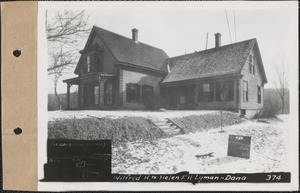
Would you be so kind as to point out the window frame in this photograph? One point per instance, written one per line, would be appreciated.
(208, 95)
(88, 63)
(220, 86)
(108, 93)
(245, 92)
(251, 64)
(96, 95)
(204, 94)
(259, 94)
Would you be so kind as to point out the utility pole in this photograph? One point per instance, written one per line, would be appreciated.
(206, 41)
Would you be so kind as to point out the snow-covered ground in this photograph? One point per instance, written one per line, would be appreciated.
(175, 154)
(269, 146)
(122, 113)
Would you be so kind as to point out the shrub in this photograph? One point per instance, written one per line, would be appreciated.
(204, 122)
(118, 130)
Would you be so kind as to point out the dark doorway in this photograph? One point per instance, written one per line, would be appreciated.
(108, 94)
(91, 95)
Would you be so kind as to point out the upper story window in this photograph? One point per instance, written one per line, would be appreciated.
(251, 64)
(88, 63)
(92, 60)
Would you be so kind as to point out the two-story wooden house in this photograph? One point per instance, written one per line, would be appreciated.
(115, 71)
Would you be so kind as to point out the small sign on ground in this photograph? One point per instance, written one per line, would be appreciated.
(239, 146)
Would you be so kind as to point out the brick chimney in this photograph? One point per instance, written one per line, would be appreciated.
(218, 40)
(135, 35)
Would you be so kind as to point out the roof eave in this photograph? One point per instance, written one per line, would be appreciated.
(140, 67)
(195, 80)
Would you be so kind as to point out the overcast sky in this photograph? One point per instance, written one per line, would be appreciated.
(181, 27)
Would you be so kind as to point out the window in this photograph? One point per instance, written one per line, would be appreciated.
(258, 94)
(96, 95)
(245, 91)
(251, 64)
(182, 99)
(224, 91)
(206, 92)
(132, 92)
(206, 88)
(243, 112)
(88, 63)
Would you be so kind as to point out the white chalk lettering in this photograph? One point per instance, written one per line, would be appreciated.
(235, 178)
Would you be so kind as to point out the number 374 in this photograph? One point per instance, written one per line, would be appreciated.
(273, 177)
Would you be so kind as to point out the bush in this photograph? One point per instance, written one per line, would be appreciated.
(272, 104)
(118, 130)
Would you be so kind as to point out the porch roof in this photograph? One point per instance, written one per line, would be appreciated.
(90, 76)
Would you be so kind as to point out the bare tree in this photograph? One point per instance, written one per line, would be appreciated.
(66, 32)
(281, 80)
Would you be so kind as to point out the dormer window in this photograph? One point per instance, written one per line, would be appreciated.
(251, 64)
(92, 59)
(88, 63)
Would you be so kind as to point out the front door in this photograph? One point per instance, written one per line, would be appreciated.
(108, 88)
(87, 96)
(91, 95)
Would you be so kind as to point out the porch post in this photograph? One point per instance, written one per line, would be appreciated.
(215, 91)
(68, 95)
(237, 94)
(196, 93)
(80, 93)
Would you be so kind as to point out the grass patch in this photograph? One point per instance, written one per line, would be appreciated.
(118, 130)
(205, 122)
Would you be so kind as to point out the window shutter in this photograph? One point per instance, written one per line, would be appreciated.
(231, 89)
(212, 91)
(218, 92)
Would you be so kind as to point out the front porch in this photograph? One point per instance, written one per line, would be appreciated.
(205, 94)
(95, 91)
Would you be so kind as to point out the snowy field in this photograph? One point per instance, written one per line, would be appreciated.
(175, 154)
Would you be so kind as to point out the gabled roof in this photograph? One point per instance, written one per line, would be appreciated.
(127, 51)
(224, 60)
